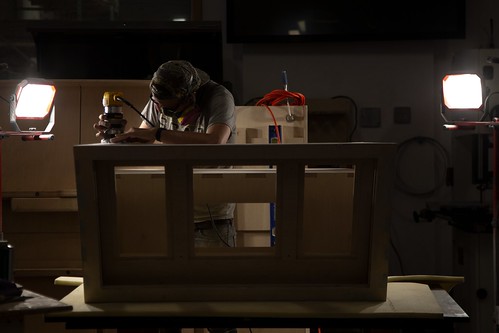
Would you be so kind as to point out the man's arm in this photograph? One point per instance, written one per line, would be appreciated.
(215, 134)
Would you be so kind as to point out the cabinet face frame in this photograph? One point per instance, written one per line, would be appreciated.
(247, 275)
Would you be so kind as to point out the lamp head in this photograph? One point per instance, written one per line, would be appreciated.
(462, 95)
(33, 100)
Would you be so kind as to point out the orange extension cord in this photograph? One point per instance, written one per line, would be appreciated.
(280, 97)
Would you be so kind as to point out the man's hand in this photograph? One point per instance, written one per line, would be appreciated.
(109, 124)
(135, 134)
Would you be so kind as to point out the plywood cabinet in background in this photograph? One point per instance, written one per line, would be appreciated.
(38, 181)
(47, 167)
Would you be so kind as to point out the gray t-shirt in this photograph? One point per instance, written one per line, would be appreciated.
(216, 106)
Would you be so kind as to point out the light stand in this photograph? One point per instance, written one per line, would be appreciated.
(33, 100)
(466, 89)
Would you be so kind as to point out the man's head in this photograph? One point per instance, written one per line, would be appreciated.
(175, 79)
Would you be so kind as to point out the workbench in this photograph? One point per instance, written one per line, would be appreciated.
(407, 305)
(13, 311)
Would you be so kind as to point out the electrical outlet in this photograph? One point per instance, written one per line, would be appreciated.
(402, 115)
(370, 117)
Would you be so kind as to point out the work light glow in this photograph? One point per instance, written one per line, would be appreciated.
(34, 101)
(462, 91)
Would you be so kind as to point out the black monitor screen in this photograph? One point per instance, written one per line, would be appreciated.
(253, 21)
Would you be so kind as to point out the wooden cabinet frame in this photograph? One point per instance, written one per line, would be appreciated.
(282, 272)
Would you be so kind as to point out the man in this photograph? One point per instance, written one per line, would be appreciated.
(186, 107)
